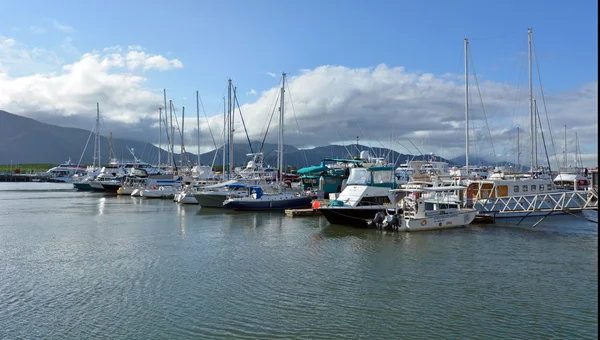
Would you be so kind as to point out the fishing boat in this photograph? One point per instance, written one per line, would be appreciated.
(430, 208)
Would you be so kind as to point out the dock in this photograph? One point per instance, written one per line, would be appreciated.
(302, 212)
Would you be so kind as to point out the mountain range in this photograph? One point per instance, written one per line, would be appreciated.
(26, 141)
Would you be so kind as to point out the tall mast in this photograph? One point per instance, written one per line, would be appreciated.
(565, 152)
(97, 140)
(198, 122)
(224, 134)
(467, 104)
(182, 130)
(160, 123)
(535, 130)
(531, 127)
(110, 148)
(172, 146)
(518, 149)
(230, 122)
(281, 115)
(98, 134)
(159, 134)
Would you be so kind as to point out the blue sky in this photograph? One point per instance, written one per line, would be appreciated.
(248, 40)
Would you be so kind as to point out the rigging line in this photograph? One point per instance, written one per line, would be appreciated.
(340, 137)
(296, 119)
(368, 140)
(265, 127)
(482, 106)
(208, 122)
(424, 158)
(537, 66)
(85, 147)
(519, 89)
(268, 126)
(543, 139)
(243, 123)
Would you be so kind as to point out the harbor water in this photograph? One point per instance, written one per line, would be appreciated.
(76, 265)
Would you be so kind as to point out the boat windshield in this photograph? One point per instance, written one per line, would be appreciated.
(359, 176)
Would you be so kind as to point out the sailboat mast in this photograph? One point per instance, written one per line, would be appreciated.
(98, 134)
(535, 130)
(182, 130)
(172, 146)
(160, 125)
(230, 139)
(565, 152)
(531, 127)
(518, 149)
(198, 122)
(467, 104)
(224, 135)
(281, 113)
(96, 143)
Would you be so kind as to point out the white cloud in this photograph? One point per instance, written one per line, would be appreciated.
(73, 89)
(252, 92)
(271, 74)
(60, 26)
(329, 104)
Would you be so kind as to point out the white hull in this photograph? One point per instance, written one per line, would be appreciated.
(166, 192)
(184, 198)
(439, 221)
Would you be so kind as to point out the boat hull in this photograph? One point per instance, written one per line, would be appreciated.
(211, 200)
(111, 187)
(348, 216)
(299, 202)
(439, 221)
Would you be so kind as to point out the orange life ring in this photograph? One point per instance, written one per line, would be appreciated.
(424, 222)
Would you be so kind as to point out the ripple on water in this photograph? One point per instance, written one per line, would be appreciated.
(87, 266)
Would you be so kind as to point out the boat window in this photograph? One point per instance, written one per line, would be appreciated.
(524, 188)
(358, 176)
(541, 187)
(383, 177)
(516, 188)
(533, 188)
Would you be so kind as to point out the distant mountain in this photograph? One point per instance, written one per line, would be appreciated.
(475, 160)
(25, 141)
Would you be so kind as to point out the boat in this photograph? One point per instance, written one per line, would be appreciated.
(367, 192)
(571, 178)
(331, 175)
(429, 208)
(213, 196)
(256, 200)
(64, 172)
(283, 199)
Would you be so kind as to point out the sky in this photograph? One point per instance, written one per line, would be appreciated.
(390, 73)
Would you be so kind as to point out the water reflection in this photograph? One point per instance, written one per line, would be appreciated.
(101, 205)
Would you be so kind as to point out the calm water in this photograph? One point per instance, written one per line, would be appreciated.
(81, 265)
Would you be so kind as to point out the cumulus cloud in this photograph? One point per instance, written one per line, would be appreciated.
(252, 92)
(383, 105)
(271, 74)
(108, 77)
(390, 106)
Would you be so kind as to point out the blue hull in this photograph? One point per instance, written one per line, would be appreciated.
(264, 204)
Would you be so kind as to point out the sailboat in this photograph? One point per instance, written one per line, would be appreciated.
(82, 183)
(503, 195)
(257, 199)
